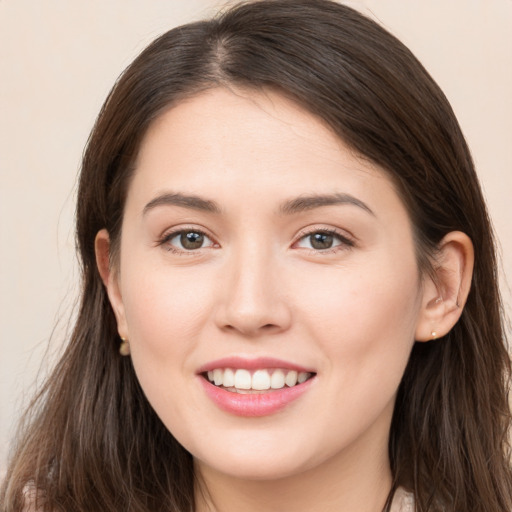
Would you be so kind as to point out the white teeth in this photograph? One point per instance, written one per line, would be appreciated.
(243, 379)
(229, 378)
(277, 380)
(302, 377)
(218, 375)
(291, 378)
(260, 380)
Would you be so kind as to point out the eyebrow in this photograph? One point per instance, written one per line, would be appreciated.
(185, 201)
(305, 203)
(297, 205)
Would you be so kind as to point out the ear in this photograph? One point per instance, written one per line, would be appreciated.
(446, 291)
(110, 278)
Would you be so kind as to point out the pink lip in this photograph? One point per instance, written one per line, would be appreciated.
(252, 364)
(253, 405)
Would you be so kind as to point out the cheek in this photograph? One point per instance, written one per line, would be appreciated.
(364, 324)
(164, 306)
(364, 317)
(166, 310)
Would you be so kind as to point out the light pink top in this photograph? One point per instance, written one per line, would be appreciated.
(403, 501)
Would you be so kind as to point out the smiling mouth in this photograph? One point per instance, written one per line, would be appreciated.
(258, 381)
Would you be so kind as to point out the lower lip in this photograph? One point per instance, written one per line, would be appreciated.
(257, 404)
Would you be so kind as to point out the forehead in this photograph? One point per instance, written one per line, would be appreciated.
(230, 120)
(254, 142)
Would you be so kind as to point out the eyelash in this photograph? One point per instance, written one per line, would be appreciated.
(345, 242)
(167, 237)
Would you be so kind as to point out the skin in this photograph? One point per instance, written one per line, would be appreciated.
(257, 288)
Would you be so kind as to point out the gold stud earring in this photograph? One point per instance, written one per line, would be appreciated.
(124, 348)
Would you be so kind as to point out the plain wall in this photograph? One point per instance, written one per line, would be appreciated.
(58, 60)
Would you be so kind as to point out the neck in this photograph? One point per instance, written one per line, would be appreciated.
(359, 480)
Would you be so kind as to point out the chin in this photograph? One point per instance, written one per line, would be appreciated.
(256, 462)
(260, 471)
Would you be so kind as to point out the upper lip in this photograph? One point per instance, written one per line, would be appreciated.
(238, 362)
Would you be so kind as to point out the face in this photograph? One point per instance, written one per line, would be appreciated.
(268, 285)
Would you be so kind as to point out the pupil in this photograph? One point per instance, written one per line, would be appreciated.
(191, 240)
(321, 241)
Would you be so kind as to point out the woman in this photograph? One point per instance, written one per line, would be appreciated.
(289, 289)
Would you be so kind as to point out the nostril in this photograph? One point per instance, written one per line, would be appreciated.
(251, 329)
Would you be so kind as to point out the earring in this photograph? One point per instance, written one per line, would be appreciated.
(124, 348)
(434, 335)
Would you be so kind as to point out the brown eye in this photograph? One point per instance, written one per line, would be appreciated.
(187, 241)
(321, 241)
(191, 240)
(324, 240)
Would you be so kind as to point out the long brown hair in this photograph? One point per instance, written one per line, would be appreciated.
(92, 442)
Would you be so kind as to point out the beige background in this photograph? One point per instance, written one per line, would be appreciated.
(58, 59)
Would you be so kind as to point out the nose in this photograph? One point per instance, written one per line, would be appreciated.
(253, 298)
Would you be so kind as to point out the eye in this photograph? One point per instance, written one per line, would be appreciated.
(187, 240)
(322, 240)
